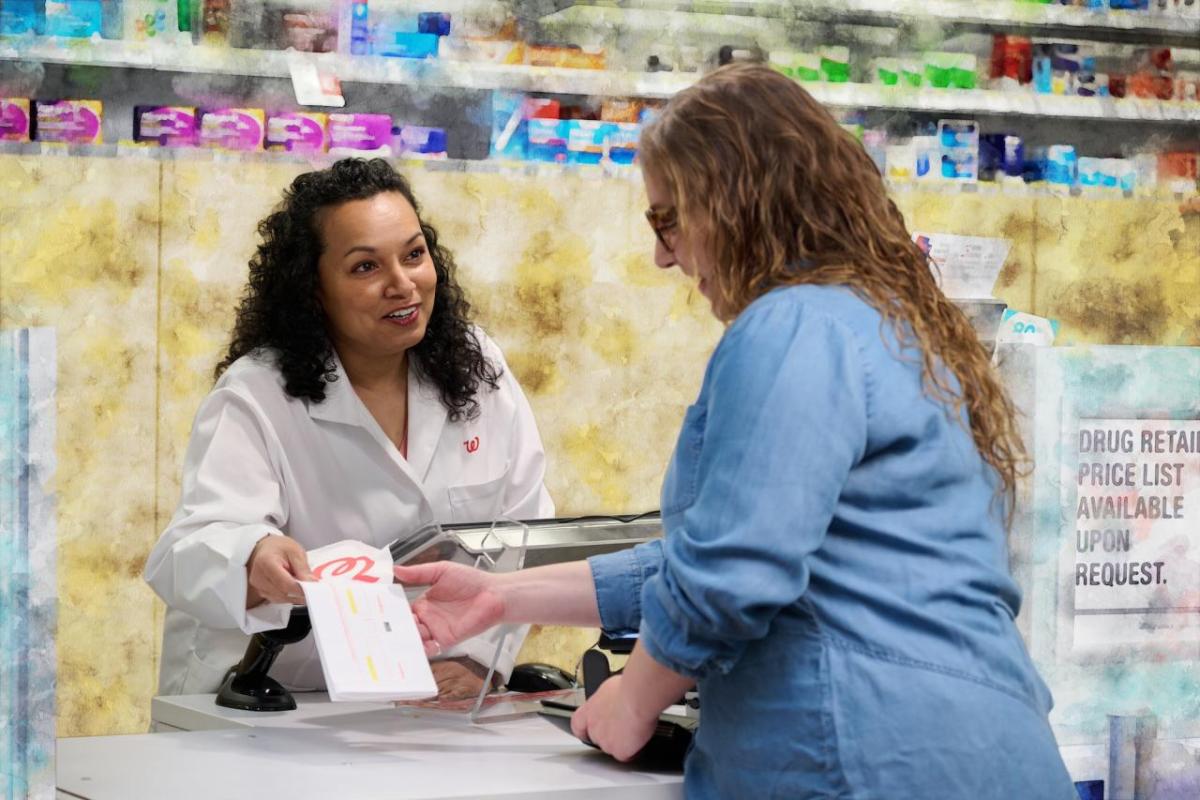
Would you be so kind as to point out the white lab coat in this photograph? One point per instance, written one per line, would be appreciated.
(261, 462)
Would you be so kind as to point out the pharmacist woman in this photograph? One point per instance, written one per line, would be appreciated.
(356, 401)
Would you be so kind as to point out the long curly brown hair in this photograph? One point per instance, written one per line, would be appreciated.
(773, 182)
(279, 310)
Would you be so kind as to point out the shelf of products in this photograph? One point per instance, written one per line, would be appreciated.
(448, 74)
(1173, 24)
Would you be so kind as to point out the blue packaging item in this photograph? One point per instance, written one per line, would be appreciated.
(1089, 172)
(19, 17)
(1090, 790)
(78, 19)
(360, 29)
(436, 23)
(1061, 164)
(510, 132)
(548, 140)
(623, 142)
(1043, 73)
(587, 140)
(404, 44)
(420, 141)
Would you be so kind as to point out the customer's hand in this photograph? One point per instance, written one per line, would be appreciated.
(460, 603)
(458, 678)
(273, 569)
(614, 724)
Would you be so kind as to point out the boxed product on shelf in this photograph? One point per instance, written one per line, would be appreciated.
(434, 22)
(305, 30)
(77, 19)
(959, 143)
(1062, 165)
(1001, 155)
(415, 141)
(148, 20)
(483, 50)
(70, 121)
(623, 142)
(548, 140)
(835, 64)
(296, 131)
(354, 27)
(236, 129)
(587, 140)
(801, 66)
(406, 44)
(354, 133)
(950, 70)
(22, 17)
(885, 71)
(620, 110)
(510, 135)
(14, 120)
(567, 56)
(1012, 61)
(166, 126)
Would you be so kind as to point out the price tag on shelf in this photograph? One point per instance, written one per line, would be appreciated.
(313, 85)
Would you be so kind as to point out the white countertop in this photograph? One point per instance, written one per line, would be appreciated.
(344, 751)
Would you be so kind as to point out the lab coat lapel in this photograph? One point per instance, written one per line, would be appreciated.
(426, 418)
(342, 405)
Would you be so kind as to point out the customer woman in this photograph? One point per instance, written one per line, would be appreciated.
(356, 401)
(833, 571)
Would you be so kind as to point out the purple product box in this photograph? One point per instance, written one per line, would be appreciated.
(296, 131)
(14, 120)
(239, 129)
(360, 132)
(167, 126)
(70, 121)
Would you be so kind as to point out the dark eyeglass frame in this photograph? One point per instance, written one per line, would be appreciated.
(661, 220)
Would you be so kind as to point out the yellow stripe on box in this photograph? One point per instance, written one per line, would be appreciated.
(371, 669)
(353, 605)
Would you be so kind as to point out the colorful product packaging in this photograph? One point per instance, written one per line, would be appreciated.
(166, 126)
(151, 20)
(623, 142)
(801, 66)
(235, 129)
(959, 141)
(886, 71)
(407, 44)
(14, 120)
(354, 133)
(70, 121)
(835, 64)
(510, 136)
(435, 22)
(415, 141)
(78, 19)
(548, 140)
(618, 110)
(296, 132)
(587, 140)
(22, 17)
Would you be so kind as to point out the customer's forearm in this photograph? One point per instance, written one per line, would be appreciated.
(558, 594)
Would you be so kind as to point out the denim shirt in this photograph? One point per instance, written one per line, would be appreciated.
(834, 575)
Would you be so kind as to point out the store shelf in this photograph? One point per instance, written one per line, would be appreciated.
(1072, 22)
(444, 74)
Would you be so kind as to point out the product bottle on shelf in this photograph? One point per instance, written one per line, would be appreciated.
(354, 28)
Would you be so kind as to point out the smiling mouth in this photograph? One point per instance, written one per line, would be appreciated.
(404, 316)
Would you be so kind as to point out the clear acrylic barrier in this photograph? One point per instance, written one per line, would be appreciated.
(501, 548)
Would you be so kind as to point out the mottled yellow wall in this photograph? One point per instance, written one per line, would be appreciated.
(79, 253)
(138, 264)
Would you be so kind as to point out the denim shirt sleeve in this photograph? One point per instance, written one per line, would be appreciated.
(619, 578)
(786, 420)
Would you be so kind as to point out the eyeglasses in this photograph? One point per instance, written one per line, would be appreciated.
(662, 220)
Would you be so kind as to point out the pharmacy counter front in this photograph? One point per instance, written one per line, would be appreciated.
(326, 750)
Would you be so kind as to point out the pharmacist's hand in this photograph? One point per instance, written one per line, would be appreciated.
(273, 569)
(460, 603)
(458, 678)
(611, 722)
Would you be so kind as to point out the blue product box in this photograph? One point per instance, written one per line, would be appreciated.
(1061, 164)
(436, 23)
(419, 141)
(1090, 790)
(587, 140)
(22, 16)
(403, 44)
(510, 131)
(548, 140)
(623, 142)
(78, 19)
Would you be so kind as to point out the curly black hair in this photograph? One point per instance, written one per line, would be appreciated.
(279, 309)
